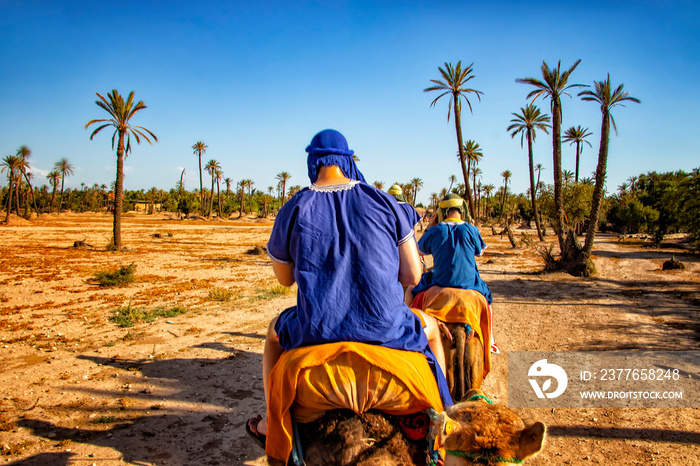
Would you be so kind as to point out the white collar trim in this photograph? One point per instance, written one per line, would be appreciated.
(334, 187)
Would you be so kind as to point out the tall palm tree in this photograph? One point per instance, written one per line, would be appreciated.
(65, 169)
(181, 185)
(121, 113)
(506, 177)
(554, 84)
(539, 167)
(577, 135)
(526, 123)
(487, 190)
(10, 163)
(219, 174)
(200, 148)
(452, 179)
(608, 98)
(24, 153)
(417, 183)
(242, 184)
(283, 177)
(473, 154)
(227, 182)
(453, 82)
(475, 172)
(211, 167)
(54, 177)
(567, 176)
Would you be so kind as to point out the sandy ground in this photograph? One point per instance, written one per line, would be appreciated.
(76, 389)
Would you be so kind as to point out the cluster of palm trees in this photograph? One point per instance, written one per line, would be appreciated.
(553, 85)
(20, 189)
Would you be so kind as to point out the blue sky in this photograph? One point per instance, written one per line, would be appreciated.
(256, 81)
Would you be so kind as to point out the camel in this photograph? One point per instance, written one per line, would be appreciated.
(478, 431)
(349, 404)
(465, 335)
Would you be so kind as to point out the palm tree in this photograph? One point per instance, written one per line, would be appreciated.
(242, 184)
(487, 190)
(577, 135)
(567, 176)
(607, 98)
(506, 176)
(452, 179)
(539, 167)
(24, 153)
(65, 169)
(473, 154)
(633, 183)
(10, 163)
(200, 148)
(227, 182)
(218, 175)
(554, 84)
(211, 167)
(121, 113)
(379, 185)
(453, 84)
(476, 172)
(181, 185)
(526, 123)
(53, 176)
(283, 177)
(416, 183)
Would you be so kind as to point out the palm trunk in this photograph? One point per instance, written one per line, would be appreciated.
(532, 186)
(31, 190)
(118, 191)
(18, 181)
(53, 197)
(465, 174)
(60, 201)
(201, 187)
(9, 198)
(218, 196)
(240, 213)
(599, 182)
(211, 200)
(559, 222)
(578, 153)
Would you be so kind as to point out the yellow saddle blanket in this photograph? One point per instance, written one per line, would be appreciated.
(454, 305)
(306, 382)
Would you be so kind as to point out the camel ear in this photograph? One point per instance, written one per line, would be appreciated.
(532, 440)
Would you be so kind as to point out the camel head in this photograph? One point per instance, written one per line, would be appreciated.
(490, 434)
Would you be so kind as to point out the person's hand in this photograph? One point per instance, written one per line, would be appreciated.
(433, 221)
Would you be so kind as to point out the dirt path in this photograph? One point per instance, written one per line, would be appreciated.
(76, 389)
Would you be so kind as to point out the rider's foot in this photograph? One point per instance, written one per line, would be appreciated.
(256, 428)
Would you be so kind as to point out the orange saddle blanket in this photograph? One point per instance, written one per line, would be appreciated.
(454, 305)
(306, 382)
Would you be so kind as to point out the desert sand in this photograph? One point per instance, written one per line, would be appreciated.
(77, 389)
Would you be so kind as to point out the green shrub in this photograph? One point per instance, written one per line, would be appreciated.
(119, 277)
(221, 294)
(127, 316)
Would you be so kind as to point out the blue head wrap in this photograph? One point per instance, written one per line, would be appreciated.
(327, 148)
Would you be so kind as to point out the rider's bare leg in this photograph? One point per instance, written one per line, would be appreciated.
(408, 296)
(432, 331)
(271, 354)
